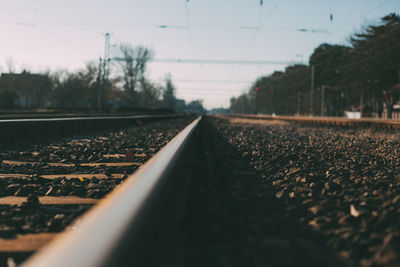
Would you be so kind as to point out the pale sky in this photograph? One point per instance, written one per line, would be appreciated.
(51, 34)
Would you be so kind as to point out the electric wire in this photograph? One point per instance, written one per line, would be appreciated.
(46, 32)
(362, 15)
(209, 81)
(221, 61)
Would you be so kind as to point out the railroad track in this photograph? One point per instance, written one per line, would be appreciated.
(47, 182)
(229, 191)
(331, 121)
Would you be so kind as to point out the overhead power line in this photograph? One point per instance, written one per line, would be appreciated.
(22, 22)
(227, 62)
(186, 27)
(218, 61)
(362, 15)
(210, 81)
(214, 89)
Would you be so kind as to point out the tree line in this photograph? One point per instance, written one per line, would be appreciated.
(125, 86)
(362, 76)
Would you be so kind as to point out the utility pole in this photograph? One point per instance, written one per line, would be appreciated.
(312, 89)
(362, 103)
(99, 85)
(298, 103)
(342, 102)
(106, 61)
(322, 100)
(272, 98)
(104, 71)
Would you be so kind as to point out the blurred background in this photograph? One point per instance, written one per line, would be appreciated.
(325, 58)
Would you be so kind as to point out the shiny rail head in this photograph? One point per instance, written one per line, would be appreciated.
(97, 118)
(91, 241)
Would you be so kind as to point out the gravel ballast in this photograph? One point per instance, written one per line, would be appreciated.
(288, 194)
(134, 144)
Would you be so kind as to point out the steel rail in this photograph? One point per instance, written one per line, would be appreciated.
(13, 129)
(99, 235)
(62, 119)
(336, 121)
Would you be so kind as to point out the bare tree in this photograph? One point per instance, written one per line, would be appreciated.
(133, 61)
(10, 63)
(75, 90)
(169, 98)
(149, 94)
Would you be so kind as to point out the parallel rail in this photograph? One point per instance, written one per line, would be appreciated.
(120, 229)
(12, 129)
(334, 121)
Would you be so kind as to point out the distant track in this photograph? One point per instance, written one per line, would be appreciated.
(334, 121)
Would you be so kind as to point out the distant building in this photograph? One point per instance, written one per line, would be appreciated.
(26, 90)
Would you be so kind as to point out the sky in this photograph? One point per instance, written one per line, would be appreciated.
(267, 35)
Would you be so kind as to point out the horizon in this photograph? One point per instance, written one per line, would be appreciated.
(49, 35)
